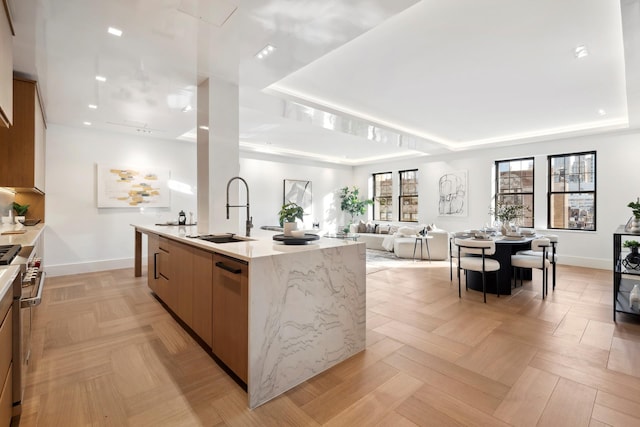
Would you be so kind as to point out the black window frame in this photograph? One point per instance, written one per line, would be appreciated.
(519, 196)
(551, 192)
(403, 196)
(376, 197)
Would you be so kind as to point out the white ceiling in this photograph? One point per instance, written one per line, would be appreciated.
(351, 81)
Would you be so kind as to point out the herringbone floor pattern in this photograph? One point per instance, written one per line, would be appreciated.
(107, 354)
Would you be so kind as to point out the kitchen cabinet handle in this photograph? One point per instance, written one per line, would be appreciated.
(155, 265)
(230, 269)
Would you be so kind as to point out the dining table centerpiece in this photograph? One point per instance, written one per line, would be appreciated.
(507, 214)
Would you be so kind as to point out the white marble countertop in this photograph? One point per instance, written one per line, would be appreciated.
(260, 244)
(7, 274)
(28, 238)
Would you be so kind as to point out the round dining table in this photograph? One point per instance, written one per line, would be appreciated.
(503, 278)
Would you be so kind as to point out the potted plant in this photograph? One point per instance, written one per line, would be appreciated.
(288, 214)
(21, 211)
(350, 202)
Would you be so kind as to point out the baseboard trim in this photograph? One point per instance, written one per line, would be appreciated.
(116, 264)
(599, 263)
(89, 267)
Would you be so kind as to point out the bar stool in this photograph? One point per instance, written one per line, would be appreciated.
(480, 262)
(520, 261)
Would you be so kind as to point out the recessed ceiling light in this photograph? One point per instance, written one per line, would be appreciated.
(581, 52)
(265, 51)
(101, 78)
(203, 127)
(86, 123)
(187, 108)
(115, 31)
(93, 106)
(602, 112)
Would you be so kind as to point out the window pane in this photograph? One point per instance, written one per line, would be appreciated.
(572, 191)
(382, 193)
(573, 211)
(514, 186)
(408, 195)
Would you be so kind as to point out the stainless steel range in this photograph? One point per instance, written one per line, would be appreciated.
(27, 293)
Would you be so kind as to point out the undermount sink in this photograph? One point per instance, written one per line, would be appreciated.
(221, 239)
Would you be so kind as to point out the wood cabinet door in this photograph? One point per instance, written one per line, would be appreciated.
(6, 68)
(39, 135)
(153, 252)
(181, 282)
(230, 313)
(202, 299)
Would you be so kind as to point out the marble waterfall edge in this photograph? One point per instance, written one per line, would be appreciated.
(307, 314)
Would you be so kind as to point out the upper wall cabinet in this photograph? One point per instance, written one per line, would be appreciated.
(22, 146)
(6, 66)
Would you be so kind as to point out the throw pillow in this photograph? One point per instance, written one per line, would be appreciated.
(362, 227)
(407, 231)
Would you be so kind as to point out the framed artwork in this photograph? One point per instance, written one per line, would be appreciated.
(122, 187)
(299, 192)
(452, 194)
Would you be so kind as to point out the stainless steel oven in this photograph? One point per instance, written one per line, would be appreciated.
(27, 293)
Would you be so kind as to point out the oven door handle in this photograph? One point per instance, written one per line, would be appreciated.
(32, 302)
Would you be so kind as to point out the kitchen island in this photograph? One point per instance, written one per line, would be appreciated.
(300, 307)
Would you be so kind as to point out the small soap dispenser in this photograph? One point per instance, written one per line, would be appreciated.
(182, 218)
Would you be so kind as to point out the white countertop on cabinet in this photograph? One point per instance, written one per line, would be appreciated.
(28, 238)
(260, 244)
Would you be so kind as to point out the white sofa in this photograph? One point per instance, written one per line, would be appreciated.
(403, 240)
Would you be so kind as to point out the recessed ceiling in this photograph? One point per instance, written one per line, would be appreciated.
(371, 79)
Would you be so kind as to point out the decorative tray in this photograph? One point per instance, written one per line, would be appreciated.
(513, 238)
(291, 240)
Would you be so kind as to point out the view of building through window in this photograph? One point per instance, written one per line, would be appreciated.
(382, 196)
(409, 195)
(514, 186)
(572, 191)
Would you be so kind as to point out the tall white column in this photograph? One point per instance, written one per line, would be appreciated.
(218, 157)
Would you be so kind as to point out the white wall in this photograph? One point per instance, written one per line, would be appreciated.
(265, 175)
(80, 237)
(617, 184)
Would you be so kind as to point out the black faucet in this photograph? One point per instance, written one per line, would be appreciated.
(249, 223)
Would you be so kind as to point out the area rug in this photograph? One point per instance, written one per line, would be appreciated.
(381, 260)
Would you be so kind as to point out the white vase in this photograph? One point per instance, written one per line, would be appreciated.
(289, 227)
(635, 226)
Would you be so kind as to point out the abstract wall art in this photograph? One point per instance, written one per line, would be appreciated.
(298, 192)
(123, 187)
(452, 193)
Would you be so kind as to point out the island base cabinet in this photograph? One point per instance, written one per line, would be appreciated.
(230, 313)
(202, 299)
(153, 252)
(6, 401)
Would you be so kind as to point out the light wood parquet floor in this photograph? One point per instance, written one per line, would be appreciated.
(107, 354)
